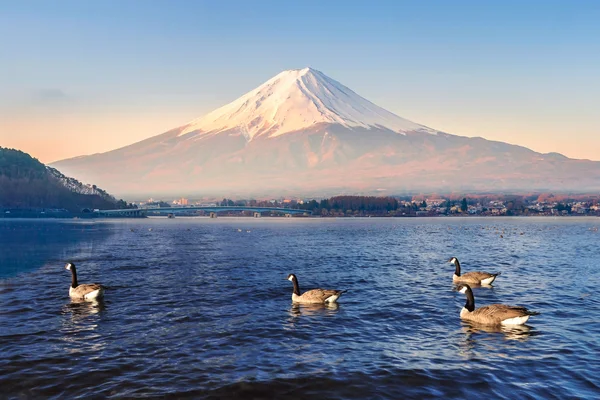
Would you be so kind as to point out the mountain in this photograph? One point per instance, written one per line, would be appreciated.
(303, 133)
(297, 100)
(27, 183)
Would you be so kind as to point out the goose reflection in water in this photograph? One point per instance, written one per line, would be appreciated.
(79, 310)
(510, 332)
(483, 339)
(79, 330)
(324, 309)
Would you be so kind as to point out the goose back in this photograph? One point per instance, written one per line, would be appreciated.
(497, 314)
(317, 296)
(87, 291)
(476, 277)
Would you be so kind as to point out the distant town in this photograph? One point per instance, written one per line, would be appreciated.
(414, 206)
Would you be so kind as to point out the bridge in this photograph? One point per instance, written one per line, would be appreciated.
(213, 210)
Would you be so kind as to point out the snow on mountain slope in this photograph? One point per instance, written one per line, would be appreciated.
(294, 100)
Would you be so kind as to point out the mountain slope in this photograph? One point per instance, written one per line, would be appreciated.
(303, 133)
(27, 183)
(295, 100)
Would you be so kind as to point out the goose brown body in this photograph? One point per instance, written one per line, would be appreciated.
(474, 277)
(314, 296)
(494, 314)
(85, 291)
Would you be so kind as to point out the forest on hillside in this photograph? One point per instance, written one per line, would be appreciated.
(26, 183)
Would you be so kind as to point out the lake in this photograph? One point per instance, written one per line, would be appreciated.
(201, 308)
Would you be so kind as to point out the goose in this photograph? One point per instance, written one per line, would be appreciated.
(86, 291)
(314, 296)
(475, 277)
(494, 314)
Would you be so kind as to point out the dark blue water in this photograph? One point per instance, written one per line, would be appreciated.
(201, 308)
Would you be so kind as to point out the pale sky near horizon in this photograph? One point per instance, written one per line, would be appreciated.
(79, 78)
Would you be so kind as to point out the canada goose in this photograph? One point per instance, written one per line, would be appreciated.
(475, 277)
(494, 314)
(313, 296)
(87, 291)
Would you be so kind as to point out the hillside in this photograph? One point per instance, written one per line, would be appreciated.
(26, 183)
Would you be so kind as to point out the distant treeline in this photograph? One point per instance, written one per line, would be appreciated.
(338, 205)
(26, 183)
(353, 203)
(408, 206)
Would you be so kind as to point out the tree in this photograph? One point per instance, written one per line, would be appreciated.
(27, 183)
(564, 207)
(463, 205)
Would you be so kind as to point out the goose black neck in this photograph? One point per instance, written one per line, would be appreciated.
(470, 304)
(73, 276)
(296, 287)
(457, 267)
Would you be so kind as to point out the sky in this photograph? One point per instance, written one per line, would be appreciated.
(79, 78)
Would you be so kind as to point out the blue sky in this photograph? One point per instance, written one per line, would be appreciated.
(83, 77)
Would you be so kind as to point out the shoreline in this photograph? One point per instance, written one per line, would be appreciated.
(187, 217)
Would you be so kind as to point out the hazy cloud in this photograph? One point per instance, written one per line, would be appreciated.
(50, 95)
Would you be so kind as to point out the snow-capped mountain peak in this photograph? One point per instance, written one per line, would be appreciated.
(294, 100)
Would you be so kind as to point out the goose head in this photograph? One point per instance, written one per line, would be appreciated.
(470, 304)
(292, 278)
(453, 260)
(69, 266)
(462, 288)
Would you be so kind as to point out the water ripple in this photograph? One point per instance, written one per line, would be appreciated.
(196, 309)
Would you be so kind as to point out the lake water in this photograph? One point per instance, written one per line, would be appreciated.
(201, 308)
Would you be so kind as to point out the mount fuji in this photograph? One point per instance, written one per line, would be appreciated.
(303, 133)
(296, 100)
